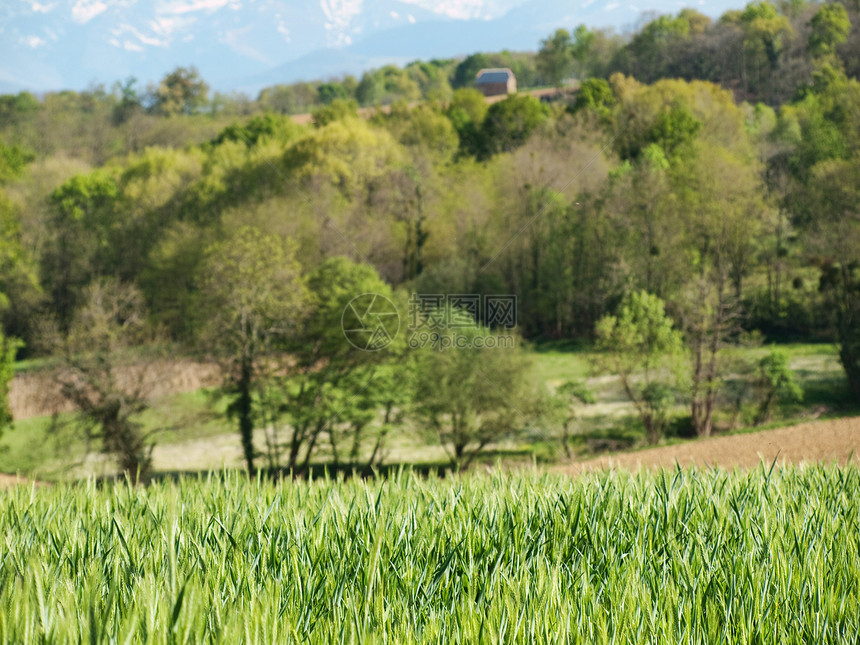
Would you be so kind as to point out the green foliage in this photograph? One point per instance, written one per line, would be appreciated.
(427, 131)
(328, 92)
(252, 297)
(765, 30)
(595, 95)
(674, 127)
(776, 381)
(472, 383)
(298, 97)
(432, 78)
(182, 91)
(581, 48)
(467, 111)
(386, 85)
(337, 384)
(830, 28)
(335, 110)
(81, 247)
(641, 346)
(267, 127)
(8, 351)
(510, 122)
(13, 160)
(554, 58)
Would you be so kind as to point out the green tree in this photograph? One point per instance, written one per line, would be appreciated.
(582, 50)
(467, 111)
(251, 298)
(595, 95)
(775, 381)
(509, 123)
(182, 91)
(83, 222)
(262, 128)
(641, 346)
(765, 34)
(386, 85)
(833, 234)
(830, 28)
(8, 351)
(468, 68)
(473, 385)
(349, 332)
(328, 92)
(336, 110)
(554, 58)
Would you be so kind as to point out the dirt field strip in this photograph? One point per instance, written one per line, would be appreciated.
(818, 441)
(10, 480)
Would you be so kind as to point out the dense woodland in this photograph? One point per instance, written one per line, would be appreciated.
(706, 169)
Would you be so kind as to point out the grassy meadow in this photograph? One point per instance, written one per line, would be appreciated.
(766, 556)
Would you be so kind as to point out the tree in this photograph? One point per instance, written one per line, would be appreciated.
(332, 90)
(80, 246)
(335, 110)
(8, 350)
(99, 375)
(834, 236)
(776, 380)
(182, 91)
(570, 396)
(765, 32)
(128, 102)
(386, 85)
(349, 332)
(252, 296)
(641, 346)
(473, 385)
(830, 28)
(467, 110)
(581, 49)
(554, 58)
(509, 123)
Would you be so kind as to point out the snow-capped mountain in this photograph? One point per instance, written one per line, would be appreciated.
(247, 44)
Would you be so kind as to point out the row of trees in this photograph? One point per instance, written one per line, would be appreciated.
(656, 367)
(279, 335)
(99, 123)
(763, 52)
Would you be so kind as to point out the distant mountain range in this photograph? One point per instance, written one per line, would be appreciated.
(249, 44)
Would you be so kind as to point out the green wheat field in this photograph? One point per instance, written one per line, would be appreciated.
(686, 556)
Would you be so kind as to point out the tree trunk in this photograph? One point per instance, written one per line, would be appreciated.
(245, 414)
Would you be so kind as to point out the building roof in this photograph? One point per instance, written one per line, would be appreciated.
(494, 75)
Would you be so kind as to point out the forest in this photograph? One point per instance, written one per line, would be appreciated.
(691, 190)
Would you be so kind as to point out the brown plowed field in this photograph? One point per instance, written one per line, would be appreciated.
(818, 441)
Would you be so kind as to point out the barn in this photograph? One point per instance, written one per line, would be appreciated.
(496, 81)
